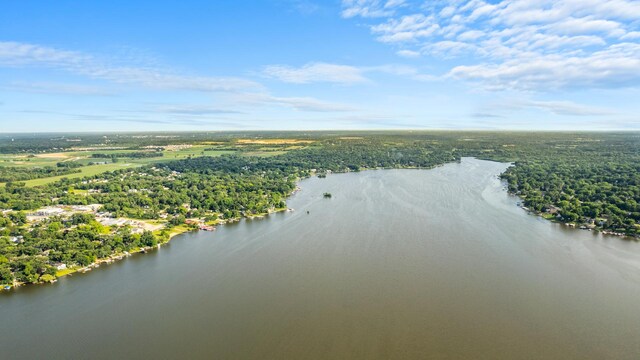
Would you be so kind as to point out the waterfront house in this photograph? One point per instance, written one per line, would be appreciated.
(16, 239)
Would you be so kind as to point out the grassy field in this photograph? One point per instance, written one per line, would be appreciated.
(274, 141)
(121, 164)
(84, 171)
(84, 157)
(194, 151)
(29, 161)
(263, 153)
(90, 170)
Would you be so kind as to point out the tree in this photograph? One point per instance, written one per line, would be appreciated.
(47, 278)
(6, 277)
(147, 239)
(18, 217)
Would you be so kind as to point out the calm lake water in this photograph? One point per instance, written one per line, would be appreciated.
(397, 264)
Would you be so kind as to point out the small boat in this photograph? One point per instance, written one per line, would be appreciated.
(7, 287)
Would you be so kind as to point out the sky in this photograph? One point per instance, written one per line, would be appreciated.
(318, 65)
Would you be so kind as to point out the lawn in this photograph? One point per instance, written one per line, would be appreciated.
(84, 171)
(259, 153)
(84, 157)
(125, 163)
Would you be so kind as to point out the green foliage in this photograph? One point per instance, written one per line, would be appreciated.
(68, 165)
(14, 173)
(18, 217)
(76, 241)
(602, 189)
(585, 178)
(131, 155)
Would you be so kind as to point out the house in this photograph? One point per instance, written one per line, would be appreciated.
(552, 209)
(48, 211)
(86, 208)
(137, 230)
(107, 221)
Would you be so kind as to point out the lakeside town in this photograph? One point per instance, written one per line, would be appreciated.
(65, 213)
(162, 228)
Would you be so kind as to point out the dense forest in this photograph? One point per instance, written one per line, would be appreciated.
(14, 173)
(586, 179)
(597, 190)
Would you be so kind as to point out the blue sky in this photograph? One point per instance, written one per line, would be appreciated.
(304, 64)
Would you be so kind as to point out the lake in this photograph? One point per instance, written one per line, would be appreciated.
(399, 264)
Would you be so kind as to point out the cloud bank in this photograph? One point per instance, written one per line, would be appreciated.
(516, 44)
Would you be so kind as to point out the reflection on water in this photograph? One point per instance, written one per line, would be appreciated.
(397, 264)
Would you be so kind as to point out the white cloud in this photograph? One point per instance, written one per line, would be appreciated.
(471, 35)
(304, 7)
(15, 54)
(565, 108)
(194, 110)
(408, 53)
(297, 103)
(309, 104)
(573, 25)
(407, 28)
(449, 49)
(632, 35)
(505, 108)
(522, 44)
(339, 74)
(21, 54)
(58, 88)
(239, 91)
(370, 8)
(316, 72)
(617, 66)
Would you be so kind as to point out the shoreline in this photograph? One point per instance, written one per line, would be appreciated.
(184, 228)
(574, 226)
(554, 220)
(178, 230)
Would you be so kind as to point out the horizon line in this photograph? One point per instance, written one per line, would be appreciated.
(317, 131)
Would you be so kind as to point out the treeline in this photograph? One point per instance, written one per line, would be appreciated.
(14, 173)
(69, 164)
(131, 155)
(42, 143)
(337, 156)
